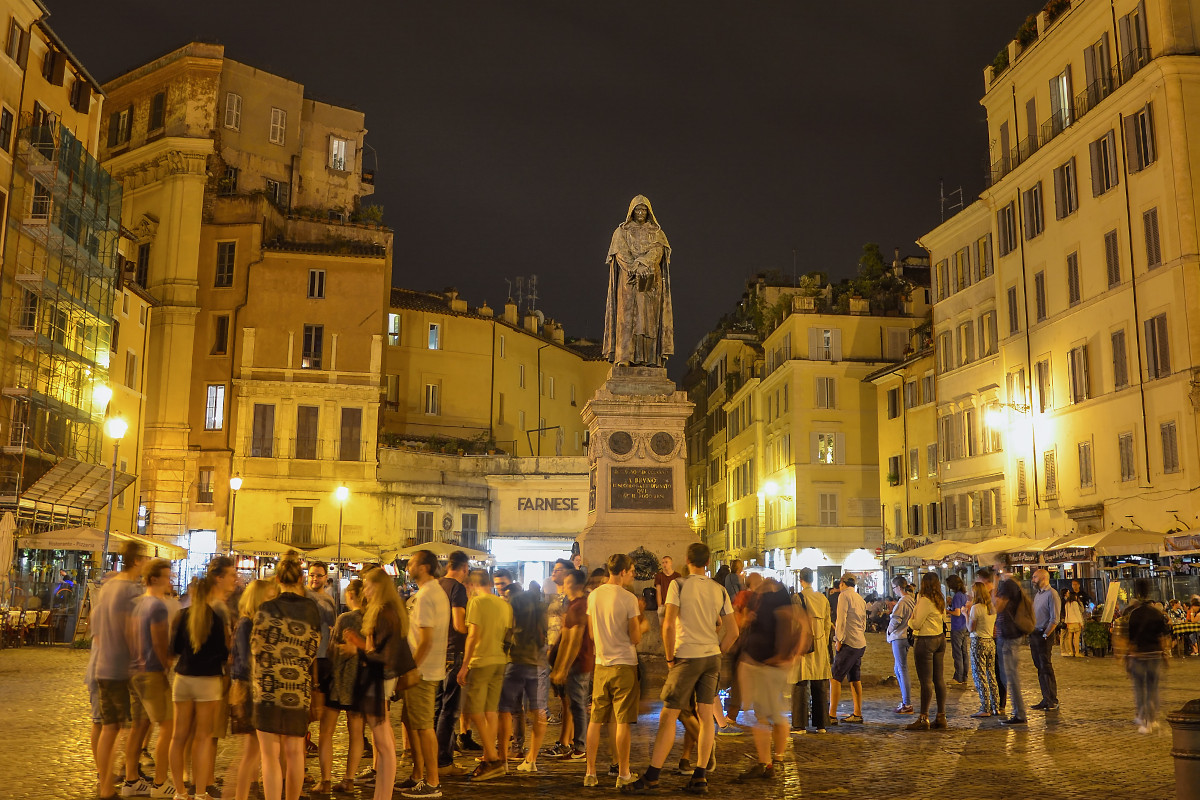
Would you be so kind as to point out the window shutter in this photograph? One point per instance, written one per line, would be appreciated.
(1084, 372)
(1150, 223)
(969, 344)
(839, 445)
(814, 454)
(1022, 495)
(1151, 348)
(835, 339)
(1051, 474)
(114, 129)
(1056, 102)
(822, 399)
(1150, 149)
(1060, 187)
(814, 344)
(23, 49)
(1097, 178)
(1132, 157)
(1164, 345)
(1112, 258)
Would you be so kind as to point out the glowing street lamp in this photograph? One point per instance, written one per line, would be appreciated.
(235, 483)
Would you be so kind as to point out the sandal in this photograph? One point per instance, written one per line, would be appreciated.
(980, 715)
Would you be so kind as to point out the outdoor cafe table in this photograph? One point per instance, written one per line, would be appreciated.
(1181, 628)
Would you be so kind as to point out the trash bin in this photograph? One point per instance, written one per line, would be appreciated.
(1185, 749)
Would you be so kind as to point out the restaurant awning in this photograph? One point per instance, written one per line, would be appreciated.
(76, 484)
(1117, 542)
(441, 550)
(934, 551)
(996, 544)
(348, 552)
(91, 539)
(263, 547)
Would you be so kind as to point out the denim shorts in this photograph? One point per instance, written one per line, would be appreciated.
(528, 682)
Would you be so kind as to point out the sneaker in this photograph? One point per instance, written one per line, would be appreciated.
(517, 755)
(980, 714)
(1144, 729)
(423, 789)
(1053, 707)
(685, 767)
(822, 730)
(556, 750)
(453, 770)
(1039, 706)
(696, 786)
(904, 709)
(833, 720)
(852, 719)
(757, 772)
(488, 770)
(633, 778)
(939, 722)
(1013, 720)
(731, 730)
(576, 755)
(139, 788)
(527, 766)
(799, 731)
(614, 770)
(635, 786)
(408, 783)
(165, 790)
(468, 744)
(366, 779)
(590, 781)
(554, 719)
(921, 723)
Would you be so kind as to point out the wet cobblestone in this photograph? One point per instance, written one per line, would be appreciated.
(1088, 749)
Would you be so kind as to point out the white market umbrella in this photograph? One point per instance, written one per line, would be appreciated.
(348, 553)
(262, 547)
(441, 550)
(1117, 542)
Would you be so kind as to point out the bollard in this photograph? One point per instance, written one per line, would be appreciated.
(1185, 749)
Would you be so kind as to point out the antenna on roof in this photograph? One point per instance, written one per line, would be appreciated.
(533, 295)
(946, 203)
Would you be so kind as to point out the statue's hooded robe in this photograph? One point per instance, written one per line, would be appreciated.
(638, 320)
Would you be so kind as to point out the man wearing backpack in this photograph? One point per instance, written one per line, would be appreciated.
(1014, 621)
(694, 608)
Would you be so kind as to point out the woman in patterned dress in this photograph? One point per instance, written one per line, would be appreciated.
(284, 641)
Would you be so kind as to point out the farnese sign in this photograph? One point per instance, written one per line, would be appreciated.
(642, 488)
(547, 504)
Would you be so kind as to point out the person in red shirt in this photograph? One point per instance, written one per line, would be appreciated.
(576, 660)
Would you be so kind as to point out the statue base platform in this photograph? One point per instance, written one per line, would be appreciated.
(637, 459)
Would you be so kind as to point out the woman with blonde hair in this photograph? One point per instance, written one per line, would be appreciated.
(928, 621)
(384, 656)
(981, 622)
(201, 642)
(241, 708)
(284, 642)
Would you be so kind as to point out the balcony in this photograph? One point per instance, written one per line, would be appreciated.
(350, 450)
(261, 447)
(301, 534)
(307, 449)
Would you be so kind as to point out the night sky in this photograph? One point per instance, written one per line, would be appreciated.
(511, 134)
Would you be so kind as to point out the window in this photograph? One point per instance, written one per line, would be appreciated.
(1006, 229)
(435, 336)
(470, 530)
(912, 394)
(1120, 362)
(983, 255)
(1158, 348)
(1014, 317)
(424, 527)
(158, 112)
(1139, 139)
(227, 184)
(394, 329)
(502, 347)
(827, 504)
(141, 274)
(39, 207)
(204, 485)
(1061, 98)
(262, 438)
(1051, 470)
(551, 387)
(310, 356)
(1097, 70)
(432, 399)
(927, 388)
(214, 407)
(1041, 377)
(81, 95)
(120, 126)
(992, 442)
(932, 516)
(1022, 493)
(220, 345)
(914, 464)
(943, 280)
(945, 355)
(316, 284)
(826, 393)
(1077, 374)
(233, 111)
(1073, 290)
(131, 370)
(895, 467)
(931, 459)
(988, 335)
(829, 448)
(1153, 251)
(29, 318)
(521, 376)
(307, 419)
(893, 403)
(1086, 478)
(6, 130)
(1066, 190)
(1104, 164)
(962, 268)
(226, 255)
(1112, 259)
(341, 154)
(278, 133)
(1039, 295)
(1170, 447)
(965, 338)
(277, 192)
(302, 525)
(17, 47)
(1135, 45)
(392, 392)
(1031, 202)
(1125, 453)
(350, 435)
(500, 408)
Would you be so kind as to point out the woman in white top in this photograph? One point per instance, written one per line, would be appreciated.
(928, 622)
(1073, 619)
(981, 622)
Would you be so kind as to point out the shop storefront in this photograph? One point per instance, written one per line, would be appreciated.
(534, 520)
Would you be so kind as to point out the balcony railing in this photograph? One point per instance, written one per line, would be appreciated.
(350, 449)
(307, 449)
(1107, 82)
(298, 534)
(262, 447)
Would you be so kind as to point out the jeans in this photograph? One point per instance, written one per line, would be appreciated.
(1042, 650)
(900, 668)
(1009, 655)
(1144, 670)
(579, 698)
(449, 701)
(1001, 683)
(806, 696)
(960, 648)
(928, 655)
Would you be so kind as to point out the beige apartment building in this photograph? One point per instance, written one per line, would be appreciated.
(1066, 380)
(265, 357)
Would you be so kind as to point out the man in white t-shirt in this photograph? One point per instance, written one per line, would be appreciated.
(694, 609)
(615, 619)
(428, 632)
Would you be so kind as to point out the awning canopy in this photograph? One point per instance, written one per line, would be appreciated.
(76, 484)
(1117, 542)
(263, 547)
(441, 550)
(934, 551)
(347, 552)
(92, 539)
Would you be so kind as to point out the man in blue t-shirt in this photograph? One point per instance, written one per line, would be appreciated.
(151, 661)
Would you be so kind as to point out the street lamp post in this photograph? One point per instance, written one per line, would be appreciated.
(115, 427)
(235, 483)
(342, 493)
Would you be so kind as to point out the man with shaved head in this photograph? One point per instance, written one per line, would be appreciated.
(1045, 619)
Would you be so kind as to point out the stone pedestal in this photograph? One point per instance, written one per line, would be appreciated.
(637, 458)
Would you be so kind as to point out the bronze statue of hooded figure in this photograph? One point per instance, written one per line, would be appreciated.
(638, 321)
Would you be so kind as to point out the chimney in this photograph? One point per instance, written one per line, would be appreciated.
(555, 332)
(510, 312)
(456, 303)
(485, 310)
(531, 323)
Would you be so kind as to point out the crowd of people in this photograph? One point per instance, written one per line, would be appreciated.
(477, 666)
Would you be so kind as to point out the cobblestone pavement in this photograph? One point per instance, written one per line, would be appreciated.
(1090, 748)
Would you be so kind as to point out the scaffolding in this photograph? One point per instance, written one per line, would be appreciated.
(59, 278)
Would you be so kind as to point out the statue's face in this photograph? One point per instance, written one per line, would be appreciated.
(640, 213)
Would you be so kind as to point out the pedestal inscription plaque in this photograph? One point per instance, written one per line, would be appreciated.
(642, 488)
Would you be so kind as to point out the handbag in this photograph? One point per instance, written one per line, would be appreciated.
(1023, 616)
